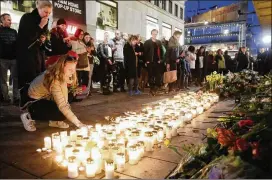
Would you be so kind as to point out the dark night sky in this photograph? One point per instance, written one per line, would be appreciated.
(192, 5)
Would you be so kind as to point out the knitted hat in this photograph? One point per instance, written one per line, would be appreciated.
(61, 21)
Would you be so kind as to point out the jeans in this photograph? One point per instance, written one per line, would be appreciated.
(45, 110)
(118, 75)
(6, 65)
(83, 78)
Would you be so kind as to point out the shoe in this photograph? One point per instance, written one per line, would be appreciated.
(58, 124)
(137, 92)
(29, 124)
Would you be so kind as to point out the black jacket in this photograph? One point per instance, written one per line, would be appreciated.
(242, 60)
(8, 38)
(58, 46)
(102, 53)
(130, 61)
(29, 59)
(149, 50)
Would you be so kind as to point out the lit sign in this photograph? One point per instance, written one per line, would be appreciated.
(71, 29)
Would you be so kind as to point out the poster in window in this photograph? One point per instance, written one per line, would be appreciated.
(106, 15)
(24, 5)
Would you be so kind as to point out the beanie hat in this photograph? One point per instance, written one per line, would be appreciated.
(61, 21)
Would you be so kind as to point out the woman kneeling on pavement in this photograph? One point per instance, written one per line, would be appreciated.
(48, 95)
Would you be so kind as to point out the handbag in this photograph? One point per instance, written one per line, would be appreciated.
(170, 76)
(83, 60)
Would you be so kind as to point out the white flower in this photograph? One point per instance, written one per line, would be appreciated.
(253, 100)
(267, 83)
(267, 100)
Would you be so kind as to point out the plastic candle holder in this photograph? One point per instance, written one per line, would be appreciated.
(120, 162)
(72, 167)
(109, 169)
(148, 141)
(90, 168)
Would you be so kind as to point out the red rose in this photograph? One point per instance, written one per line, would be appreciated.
(242, 144)
(244, 123)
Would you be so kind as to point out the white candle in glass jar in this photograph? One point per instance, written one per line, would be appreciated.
(160, 134)
(169, 132)
(59, 158)
(109, 169)
(73, 135)
(97, 157)
(68, 151)
(90, 168)
(133, 155)
(142, 148)
(72, 167)
(47, 142)
(120, 162)
(148, 141)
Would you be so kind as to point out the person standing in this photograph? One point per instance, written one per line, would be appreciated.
(131, 63)
(242, 59)
(173, 53)
(229, 62)
(8, 38)
(32, 26)
(117, 45)
(142, 70)
(261, 58)
(191, 58)
(220, 60)
(104, 53)
(200, 58)
(153, 58)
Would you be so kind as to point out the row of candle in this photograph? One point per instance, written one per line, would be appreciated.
(109, 147)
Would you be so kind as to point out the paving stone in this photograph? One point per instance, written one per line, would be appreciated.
(165, 154)
(149, 168)
(37, 164)
(180, 140)
(13, 173)
(122, 176)
(63, 174)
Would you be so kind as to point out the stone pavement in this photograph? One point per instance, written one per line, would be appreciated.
(18, 157)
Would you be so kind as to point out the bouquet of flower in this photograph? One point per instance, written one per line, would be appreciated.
(214, 80)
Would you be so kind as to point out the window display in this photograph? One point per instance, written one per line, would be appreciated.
(106, 15)
(166, 30)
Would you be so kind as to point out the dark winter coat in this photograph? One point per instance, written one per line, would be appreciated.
(149, 50)
(242, 61)
(58, 46)
(130, 61)
(29, 59)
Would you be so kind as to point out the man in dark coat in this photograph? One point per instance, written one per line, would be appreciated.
(32, 26)
(242, 59)
(153, 58)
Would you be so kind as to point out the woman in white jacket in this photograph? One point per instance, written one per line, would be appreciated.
(191, 58)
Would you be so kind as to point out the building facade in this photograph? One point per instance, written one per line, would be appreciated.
(135, 17)
(222, 28)
(98, 16)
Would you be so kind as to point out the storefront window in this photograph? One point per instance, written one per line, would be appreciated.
(151, 23)
(166, 30)
(106, 15)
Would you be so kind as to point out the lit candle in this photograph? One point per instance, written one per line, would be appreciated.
(120, 162)
(97, 157)
(84, 131)
(169, 132)
(72, 167)
(39, 150)
(160, 134)
(47, 142)
(155, 134)
(68, 151)
(109, 169)
(98, 127)
(58, 148)
(76, 153)
(63, 135)
(73, 135)
(79, 139)
(148, 141)
(90, 168)
(141, 149)
(55, 141)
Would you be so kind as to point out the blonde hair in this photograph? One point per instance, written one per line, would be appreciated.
(56, 72)
(43, 3)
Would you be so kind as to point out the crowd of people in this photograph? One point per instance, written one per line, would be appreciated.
(51, 71)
